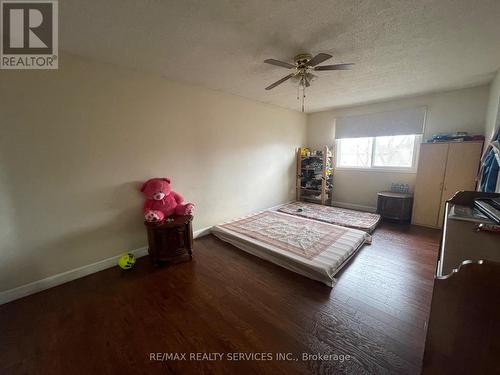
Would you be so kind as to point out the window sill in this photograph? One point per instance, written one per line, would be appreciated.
(385, 170)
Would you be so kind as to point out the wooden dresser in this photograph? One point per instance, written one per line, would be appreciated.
(461, 239)
(463, 334)
(170, 240)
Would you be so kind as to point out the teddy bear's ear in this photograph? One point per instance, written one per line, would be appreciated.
(166, 179)
(144, 186)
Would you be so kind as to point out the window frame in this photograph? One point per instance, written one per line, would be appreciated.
(372, 168)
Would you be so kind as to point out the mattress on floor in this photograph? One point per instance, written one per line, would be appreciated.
(308, 247)
(334, 215)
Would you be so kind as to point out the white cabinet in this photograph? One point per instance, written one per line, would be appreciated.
(443, 169)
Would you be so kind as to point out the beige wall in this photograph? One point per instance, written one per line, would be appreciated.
(447, 112)
(493, 111)
(76, 143)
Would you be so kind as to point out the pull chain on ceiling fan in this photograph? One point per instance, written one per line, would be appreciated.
(303, 66)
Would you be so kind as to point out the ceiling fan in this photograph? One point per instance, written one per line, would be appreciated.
(303, 66)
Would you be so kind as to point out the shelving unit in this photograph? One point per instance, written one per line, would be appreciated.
(315, 176)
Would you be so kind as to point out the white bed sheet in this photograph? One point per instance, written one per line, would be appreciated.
(321, 267)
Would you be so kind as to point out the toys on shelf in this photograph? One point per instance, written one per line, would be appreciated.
(315, 175)
(304, 151)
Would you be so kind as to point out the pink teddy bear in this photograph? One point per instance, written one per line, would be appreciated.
(161, 201)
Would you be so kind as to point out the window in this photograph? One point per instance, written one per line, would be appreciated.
(388, 152)
(354, 152)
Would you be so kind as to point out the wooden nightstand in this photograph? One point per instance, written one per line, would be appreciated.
(395, 206)
(170, 240)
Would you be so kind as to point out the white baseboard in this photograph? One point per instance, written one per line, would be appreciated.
(202, 232)
(76, 273)
(353, 206)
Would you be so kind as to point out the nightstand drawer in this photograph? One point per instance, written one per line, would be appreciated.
(170, 239)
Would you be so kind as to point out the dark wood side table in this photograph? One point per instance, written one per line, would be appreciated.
(463, 330)
(170, 240)
(395, 206)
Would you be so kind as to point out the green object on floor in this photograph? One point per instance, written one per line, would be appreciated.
(126, 261)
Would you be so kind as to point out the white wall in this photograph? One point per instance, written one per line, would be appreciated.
(457, 110)
(493, 111)
(76, 144)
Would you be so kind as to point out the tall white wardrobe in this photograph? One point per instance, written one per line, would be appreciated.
(443, 169)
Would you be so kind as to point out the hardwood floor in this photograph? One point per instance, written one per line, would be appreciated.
(228, 301)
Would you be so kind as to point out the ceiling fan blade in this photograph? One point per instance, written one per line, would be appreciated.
(335, 67)
(318, 59)
(273, 85)
(279, 63)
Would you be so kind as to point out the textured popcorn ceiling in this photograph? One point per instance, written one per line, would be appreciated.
(400, 47)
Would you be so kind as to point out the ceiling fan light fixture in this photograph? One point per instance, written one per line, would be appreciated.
(307, 75)
(303, 66)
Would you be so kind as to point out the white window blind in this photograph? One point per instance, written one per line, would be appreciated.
(400, 122)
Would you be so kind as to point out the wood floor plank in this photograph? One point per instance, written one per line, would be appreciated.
(228, 301)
